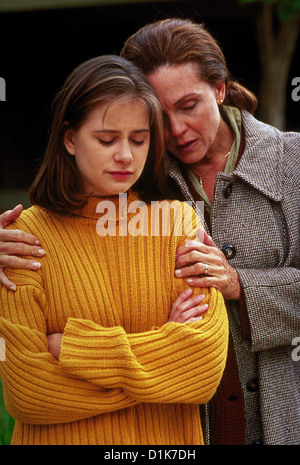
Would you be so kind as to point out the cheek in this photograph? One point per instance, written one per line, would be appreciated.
(208, 123)
(142, 158)
(88, 163)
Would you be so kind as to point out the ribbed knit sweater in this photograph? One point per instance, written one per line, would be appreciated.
(125, 374)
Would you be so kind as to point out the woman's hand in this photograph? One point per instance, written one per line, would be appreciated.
(187, 308)
(13, 243)
(206, 266)
(54, 344)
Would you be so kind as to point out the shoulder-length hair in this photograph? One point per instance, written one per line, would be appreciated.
(58, 186)
(174, 41)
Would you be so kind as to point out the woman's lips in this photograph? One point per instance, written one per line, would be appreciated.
(187, 147)
(120, 175)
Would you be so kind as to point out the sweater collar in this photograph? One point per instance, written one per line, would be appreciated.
(117, 207)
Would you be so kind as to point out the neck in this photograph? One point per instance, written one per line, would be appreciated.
(97, 205)
(216, 156)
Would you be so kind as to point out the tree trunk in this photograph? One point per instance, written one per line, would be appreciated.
(276, 52)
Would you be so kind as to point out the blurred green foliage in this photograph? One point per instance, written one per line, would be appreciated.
(6, 422)
(286, 9)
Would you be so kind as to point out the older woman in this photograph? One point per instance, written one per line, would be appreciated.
(247, 174)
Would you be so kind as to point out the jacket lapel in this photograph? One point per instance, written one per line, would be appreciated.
(261, 163)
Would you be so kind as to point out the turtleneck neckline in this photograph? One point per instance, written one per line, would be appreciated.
(119, 202)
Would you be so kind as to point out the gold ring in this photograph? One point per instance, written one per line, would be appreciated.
(206, 268)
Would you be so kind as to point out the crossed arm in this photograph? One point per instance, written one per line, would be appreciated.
(102, 369)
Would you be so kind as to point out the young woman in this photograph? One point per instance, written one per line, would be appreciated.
(104, 345)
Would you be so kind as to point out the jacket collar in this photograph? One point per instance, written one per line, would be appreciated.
(261, 162)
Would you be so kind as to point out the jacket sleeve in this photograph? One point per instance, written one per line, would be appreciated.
(37, 390)
(272, 294)
(276, 294)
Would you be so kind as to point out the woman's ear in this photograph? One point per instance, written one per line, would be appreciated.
(69, 141)
(220, 91)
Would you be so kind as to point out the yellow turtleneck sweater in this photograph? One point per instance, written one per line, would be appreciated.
(125, 374)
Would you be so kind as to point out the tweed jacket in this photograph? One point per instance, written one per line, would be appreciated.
(256, 210)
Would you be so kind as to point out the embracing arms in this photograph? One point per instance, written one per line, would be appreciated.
(205, 265)
(58, 390)
(14, 244)
(275, 291)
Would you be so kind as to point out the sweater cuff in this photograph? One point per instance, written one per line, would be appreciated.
(87, 346)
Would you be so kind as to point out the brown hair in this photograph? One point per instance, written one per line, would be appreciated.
(174, 41)
(57, 185)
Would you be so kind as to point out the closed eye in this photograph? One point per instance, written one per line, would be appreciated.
(189, 106)
(138, 142)
(106, 142)
(110, 142)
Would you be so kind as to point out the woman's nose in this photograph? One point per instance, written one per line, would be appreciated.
(123, 154)
(176, 126)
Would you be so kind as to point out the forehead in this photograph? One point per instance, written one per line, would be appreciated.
(118, 110)
(174, 82)
(175, 76)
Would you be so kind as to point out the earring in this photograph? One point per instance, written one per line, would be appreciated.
(220, 102)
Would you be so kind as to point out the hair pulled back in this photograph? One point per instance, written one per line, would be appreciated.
(174, 41)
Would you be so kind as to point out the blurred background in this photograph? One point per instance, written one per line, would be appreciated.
(41, 41)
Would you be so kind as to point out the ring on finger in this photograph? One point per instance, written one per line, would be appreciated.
(206, 268)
